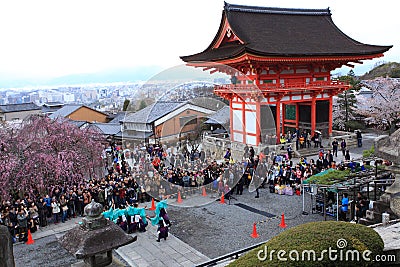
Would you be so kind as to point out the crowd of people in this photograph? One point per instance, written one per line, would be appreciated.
(138, 174)
(131, 177)
(302, 138)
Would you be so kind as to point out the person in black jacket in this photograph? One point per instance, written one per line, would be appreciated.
(347, 155)
(239, 186)
(359, 138)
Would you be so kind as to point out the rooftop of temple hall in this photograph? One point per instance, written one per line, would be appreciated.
(280, 32)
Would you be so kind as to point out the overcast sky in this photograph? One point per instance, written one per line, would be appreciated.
(56, 38)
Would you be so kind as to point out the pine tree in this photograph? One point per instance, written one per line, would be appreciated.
(142, 105)
(126, 105)
(346, 103)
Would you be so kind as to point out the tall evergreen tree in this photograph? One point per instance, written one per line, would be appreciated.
(346, 102)
(142, 105)
(126, 105)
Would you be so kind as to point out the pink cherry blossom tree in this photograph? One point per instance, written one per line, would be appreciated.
(44, 153)
(384, 105)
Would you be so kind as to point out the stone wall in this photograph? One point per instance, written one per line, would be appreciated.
(6, 248)
(350, 138)
(387, 147)
(217, 147)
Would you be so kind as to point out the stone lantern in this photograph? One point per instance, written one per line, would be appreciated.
(94, 239)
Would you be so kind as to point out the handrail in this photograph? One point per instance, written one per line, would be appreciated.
(234, 253)
(253, 87)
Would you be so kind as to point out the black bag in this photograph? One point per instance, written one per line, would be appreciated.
(272, 188)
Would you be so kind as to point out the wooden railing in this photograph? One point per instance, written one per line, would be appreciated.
(250, 88)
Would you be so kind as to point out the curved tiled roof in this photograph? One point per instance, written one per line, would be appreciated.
(222, 117)
(107, 128)
(65, 111)
(18, 107)
(285, 32)
(153, 112)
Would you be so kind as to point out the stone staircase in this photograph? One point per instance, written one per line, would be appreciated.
(306, 152)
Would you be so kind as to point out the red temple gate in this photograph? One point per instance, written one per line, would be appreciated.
(280, 59)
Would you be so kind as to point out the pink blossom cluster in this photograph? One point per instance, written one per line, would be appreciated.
(43, 153)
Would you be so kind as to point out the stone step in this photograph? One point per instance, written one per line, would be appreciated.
(365, 221)
(380, 206)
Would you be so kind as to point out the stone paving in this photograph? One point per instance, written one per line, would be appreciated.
(146, 251)
(390, 235)
(56, 229)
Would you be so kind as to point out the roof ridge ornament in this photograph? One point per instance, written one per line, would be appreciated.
(276, 10)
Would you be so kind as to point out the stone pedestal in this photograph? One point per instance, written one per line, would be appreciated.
(394, 191)
(6, 248)
(94, 240)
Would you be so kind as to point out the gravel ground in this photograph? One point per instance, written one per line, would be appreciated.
(47, 252)
(218, 229)
(44, 252)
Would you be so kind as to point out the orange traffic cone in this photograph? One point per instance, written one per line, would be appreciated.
(204, 194)
(283, 224)
(30, 239)
(153, 206)
(222, 199)
(254, 234)
(179, 200)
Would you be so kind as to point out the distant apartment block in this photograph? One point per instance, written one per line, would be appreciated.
(69, 98)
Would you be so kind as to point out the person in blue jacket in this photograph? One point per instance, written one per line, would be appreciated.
(344, 207)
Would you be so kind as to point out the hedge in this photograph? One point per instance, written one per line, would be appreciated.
(317, 236)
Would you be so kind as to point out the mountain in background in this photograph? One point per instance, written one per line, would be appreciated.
(390, 69)
(107, 76)
(144, 73)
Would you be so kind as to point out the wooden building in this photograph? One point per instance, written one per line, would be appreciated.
(280, 62)
(80, 113)
(163, 121)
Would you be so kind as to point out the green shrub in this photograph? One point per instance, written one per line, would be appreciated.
(368, 153)
(330, 177)
(317, 236)
(354, 125)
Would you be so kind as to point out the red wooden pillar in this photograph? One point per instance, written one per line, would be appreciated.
(283, 117)
(313, 114)
(330, 115)
(258, 122)
(278, 120)
(258, 110)
(244, 120)
(231, 116)
(297, 116)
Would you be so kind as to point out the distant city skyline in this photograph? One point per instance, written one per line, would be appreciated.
(46, 41)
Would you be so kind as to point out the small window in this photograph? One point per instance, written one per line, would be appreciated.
(320, 79)
(268, 81)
